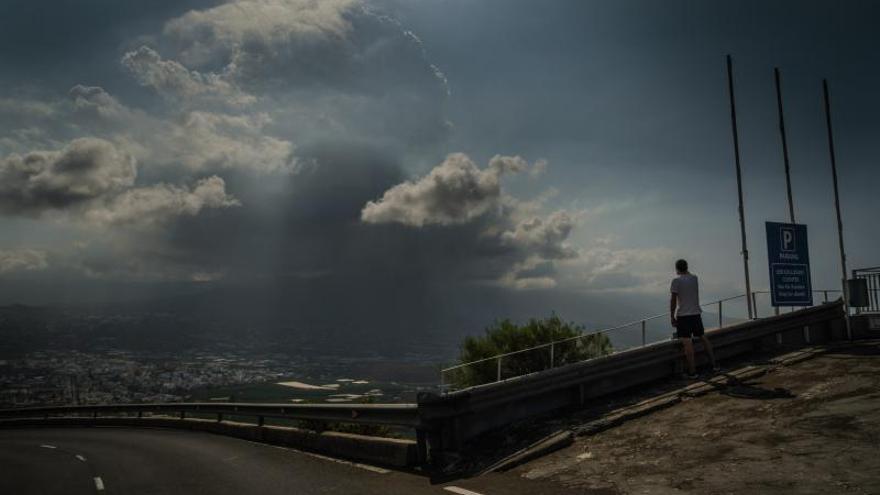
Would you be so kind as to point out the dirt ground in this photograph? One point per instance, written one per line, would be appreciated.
(813, 427)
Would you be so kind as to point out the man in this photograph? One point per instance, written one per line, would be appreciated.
(684, 307)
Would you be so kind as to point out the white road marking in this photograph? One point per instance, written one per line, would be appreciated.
(366, 467)
(460, 491)
(99, 484)
(47, 446)
(80, 457)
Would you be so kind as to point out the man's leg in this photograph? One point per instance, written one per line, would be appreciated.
(708, 346)
(689, 355)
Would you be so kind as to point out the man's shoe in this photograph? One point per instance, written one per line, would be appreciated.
(716, 368)
(690, 376)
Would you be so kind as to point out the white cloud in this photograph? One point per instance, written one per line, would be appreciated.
(223, 31)
(94, 180)
(200, 140)
(85, 169)
(330, 69)
(455, 192)
(604, 267)
(177, 83)
(211, 140)
(539, 169)
(99, 103)
(28, 108)
(530, 274)
(147, 206)
(544, 235)
(23, 260)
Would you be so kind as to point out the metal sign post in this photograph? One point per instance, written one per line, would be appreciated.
(742, 215)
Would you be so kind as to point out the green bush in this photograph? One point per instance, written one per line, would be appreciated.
(505, 336)
(357, 428)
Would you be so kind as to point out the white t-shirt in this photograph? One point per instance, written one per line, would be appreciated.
(687, 287)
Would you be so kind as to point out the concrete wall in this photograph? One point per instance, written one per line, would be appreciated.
(375, 450)
(866, 326)
(451, 420)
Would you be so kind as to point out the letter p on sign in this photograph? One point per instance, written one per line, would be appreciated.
(786, 236)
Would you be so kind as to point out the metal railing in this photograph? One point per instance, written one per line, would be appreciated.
(872, 279)
(641, 324)
(373, 414)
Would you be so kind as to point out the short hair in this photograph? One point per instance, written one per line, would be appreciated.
(681, 265)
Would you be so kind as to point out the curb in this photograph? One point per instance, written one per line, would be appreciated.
(669, 399)
(551, 443)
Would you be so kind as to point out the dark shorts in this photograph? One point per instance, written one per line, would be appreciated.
(689, 326)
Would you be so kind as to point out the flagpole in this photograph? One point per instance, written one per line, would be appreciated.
(837, 207)
(742, 219)
(784, 143)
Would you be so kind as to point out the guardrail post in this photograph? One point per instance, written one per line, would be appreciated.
(421, 447)
(755, 305)
(182, 414)
(825, 293)
(644, 340)
(551, 354)
(498, 379)
(776, 310)
(219, 417)
(95, 414)
(261, 420)
(720, 317)
(140, 414)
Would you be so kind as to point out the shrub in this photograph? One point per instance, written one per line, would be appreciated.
(505, 336)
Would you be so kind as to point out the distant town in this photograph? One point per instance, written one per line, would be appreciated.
(122, 370)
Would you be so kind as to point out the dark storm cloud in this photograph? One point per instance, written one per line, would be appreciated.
(290, 152)
(299, 253)
(346, 70)
(309, 225)
(305, 230)
(235, 98)
(285, 44)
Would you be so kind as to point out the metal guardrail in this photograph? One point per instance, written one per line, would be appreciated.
(372, 414)
(640, 323)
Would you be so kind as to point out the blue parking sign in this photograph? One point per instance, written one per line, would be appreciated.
(788, 258)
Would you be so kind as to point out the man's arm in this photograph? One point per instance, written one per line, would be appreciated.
(673, 303)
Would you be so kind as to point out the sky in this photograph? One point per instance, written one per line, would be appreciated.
(418, 168)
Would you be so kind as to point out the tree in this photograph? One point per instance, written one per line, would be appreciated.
(505, 336)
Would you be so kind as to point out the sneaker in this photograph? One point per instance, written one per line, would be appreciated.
(716, 368)
(690, 376)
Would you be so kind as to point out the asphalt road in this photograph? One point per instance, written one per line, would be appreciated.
(79, 461)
